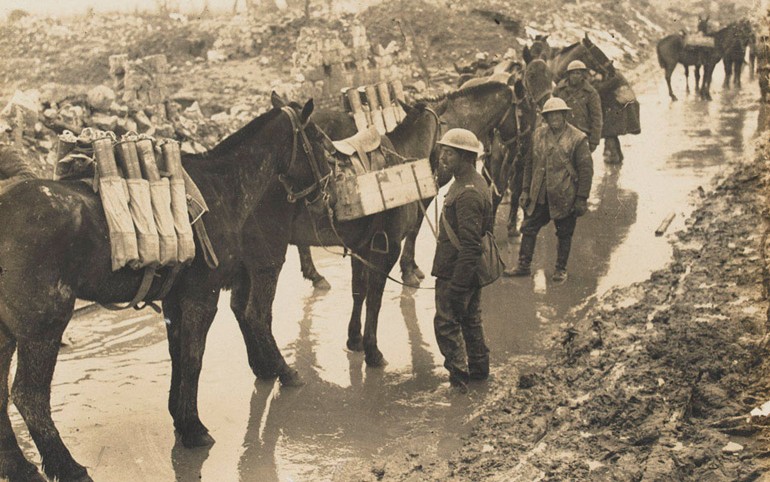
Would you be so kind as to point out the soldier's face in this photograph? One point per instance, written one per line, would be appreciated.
(451, 158)
(555, 120)
(575, 77)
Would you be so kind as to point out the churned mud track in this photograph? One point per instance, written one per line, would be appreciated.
(654, 382)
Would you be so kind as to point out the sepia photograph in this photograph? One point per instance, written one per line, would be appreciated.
(384, 240)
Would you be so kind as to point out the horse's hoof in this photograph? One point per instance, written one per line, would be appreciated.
(411, 279)
(418, 272)
(355, 344)
(291, 378)
(673, 98)
(321, 284)
(199, 439)
(375, 360)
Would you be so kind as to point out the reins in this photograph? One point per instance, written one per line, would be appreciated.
(320, 181)
(350, 251)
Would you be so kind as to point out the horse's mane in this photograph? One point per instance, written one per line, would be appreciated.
(568, 48)
(465, 91)
(247, 131)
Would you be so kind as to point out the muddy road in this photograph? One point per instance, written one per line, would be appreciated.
(111, 383)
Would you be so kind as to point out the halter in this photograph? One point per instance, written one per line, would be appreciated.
(515, 136)
(298, 130)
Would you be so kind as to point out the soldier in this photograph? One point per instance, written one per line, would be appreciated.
(467, 215)
(557, 182)
(584, 102)
(13, 167)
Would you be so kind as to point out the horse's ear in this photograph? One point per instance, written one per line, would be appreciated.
(276, 100)
(306, 111)
(526, 55)
(545, 37)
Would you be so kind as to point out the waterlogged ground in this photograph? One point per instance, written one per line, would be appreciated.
(111, 384)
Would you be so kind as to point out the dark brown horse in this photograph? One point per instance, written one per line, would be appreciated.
(54, 248)
(731, 43)
(673, 50)
(481, 108)
(375, 241)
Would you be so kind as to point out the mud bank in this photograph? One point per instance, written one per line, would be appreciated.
(654, 381)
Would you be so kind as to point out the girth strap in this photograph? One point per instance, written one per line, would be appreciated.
(144, 288)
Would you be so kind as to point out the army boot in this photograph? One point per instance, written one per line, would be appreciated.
(526, 250)
(562, 255)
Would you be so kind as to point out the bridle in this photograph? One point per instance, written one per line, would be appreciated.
(320, 180)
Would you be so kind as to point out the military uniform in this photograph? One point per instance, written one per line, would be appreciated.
(586, 113)
(561, 171)
(13, 167)
(460, 337)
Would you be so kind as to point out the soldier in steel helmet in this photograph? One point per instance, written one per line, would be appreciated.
(584, 102)
(468, 213)
(557, 182)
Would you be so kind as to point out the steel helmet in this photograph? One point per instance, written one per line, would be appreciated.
(555, 104)
(576, 65)
(462, 139)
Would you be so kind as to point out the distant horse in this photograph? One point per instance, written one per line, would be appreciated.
(731, 43)
(54, 248)
(374, 242)
(673, 50)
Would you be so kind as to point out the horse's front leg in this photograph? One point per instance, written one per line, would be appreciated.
(257, 323)
(374, 291)
(309, 270)
(32, 396)
(358, 285)
(189, 314)
(687, 78)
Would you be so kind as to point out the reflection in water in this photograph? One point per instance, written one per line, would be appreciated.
(257, 461)
(422, 360)
(518, 303)
(188, 463)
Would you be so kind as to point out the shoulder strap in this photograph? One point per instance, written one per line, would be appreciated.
(449, 231)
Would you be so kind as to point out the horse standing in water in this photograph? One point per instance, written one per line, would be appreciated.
(673, 50)
(480, 108)
(54, 248)
(731, 43)
(279, 222)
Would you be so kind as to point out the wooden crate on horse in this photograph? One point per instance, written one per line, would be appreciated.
(369, 185)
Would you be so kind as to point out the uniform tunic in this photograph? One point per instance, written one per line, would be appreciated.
(586, 113)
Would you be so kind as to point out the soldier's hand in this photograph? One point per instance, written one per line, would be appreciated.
(581, 206)
(592, 147)
(524, 200)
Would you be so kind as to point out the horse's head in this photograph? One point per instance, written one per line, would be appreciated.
(703, 25)
(306, 171)
(596, 59)
(416, 135)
